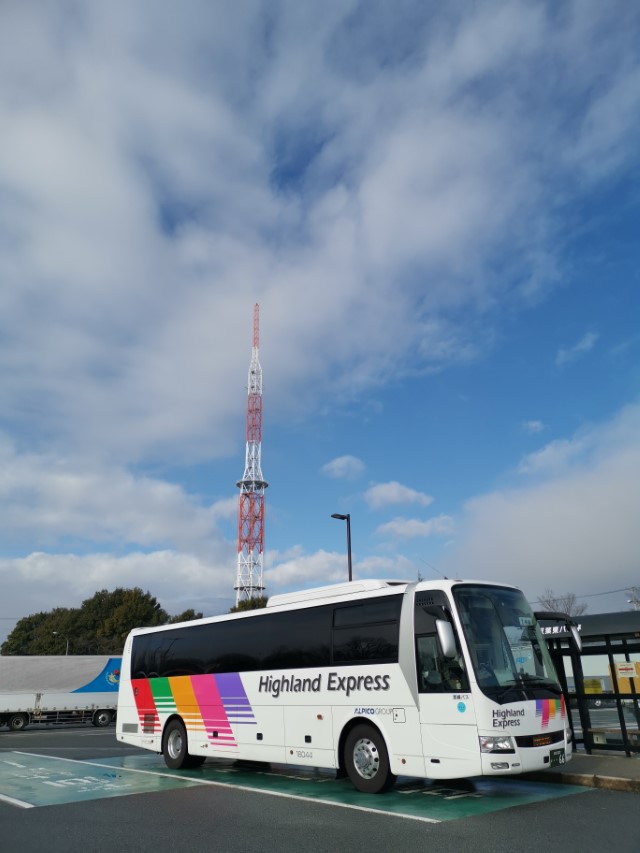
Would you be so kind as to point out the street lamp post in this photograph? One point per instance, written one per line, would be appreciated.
(55, 634)
(346, 518)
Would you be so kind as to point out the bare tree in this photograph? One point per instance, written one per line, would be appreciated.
(564, 603)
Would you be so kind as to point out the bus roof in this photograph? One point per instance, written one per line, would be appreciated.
(331, 591)
(322, 594)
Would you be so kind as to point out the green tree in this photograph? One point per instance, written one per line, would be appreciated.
(99, 626)
(250, 604)
(132, 608)
(29, 633)
(187, 616)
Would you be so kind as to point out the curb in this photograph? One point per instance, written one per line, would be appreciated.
(610, 783)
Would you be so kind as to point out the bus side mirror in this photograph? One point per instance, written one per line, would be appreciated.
(577, 639)
(446, 637)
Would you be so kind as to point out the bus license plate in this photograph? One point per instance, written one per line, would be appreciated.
(557, 757)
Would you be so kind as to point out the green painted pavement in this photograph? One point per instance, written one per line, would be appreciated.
(35, 780)
(428, 801)
(28, 780)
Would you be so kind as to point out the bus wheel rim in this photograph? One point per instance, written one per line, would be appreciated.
(175, 744)
(366, 759)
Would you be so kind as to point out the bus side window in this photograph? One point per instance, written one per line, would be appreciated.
(437, 674)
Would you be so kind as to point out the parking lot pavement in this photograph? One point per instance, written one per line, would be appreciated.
(614, 772)
(29, 780)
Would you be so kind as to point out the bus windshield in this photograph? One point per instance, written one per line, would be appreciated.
(508, 652)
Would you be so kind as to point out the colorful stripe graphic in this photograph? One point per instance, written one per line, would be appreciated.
(549, 709)
(209, 703)
(146, 706)
(214, 715)
(234, 698)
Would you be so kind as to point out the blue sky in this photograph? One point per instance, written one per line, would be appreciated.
(436, 208)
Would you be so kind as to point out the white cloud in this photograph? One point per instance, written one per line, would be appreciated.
(49, 498)
(533, 427)
(553, 457)
(584, 449)
(344, 468)
(156, 182)
(566, 355)
(396, 567)
(578, 523)
(392, 493)
(225, 509)
(149, 201)
(300, 570)
(307, 570)
(47, 501)
(42, 581)
(409, 528)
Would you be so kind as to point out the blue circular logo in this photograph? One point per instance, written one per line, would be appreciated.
(462, 707)
(113, 677)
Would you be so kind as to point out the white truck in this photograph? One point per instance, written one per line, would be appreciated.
(58, 689)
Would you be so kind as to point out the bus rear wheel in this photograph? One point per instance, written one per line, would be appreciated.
(367, 761)
(174, 747)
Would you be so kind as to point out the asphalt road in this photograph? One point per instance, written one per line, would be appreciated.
(206, 813)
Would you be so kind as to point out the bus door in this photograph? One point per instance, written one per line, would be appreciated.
(447, 713)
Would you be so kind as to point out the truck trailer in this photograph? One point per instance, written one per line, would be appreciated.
(58, 689)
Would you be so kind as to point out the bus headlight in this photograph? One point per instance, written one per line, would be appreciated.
(496, 744)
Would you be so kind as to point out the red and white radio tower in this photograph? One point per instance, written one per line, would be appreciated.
(252, 485)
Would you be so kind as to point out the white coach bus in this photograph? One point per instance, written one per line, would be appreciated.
(375, 679)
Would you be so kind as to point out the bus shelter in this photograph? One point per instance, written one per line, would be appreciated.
(602, 683)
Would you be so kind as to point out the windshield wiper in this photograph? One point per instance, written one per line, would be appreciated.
(504, 689)
(527, 679)
(522, 682)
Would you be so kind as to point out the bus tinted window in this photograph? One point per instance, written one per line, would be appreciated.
(366, 632)
(368, 612)
(367, 644)
(297, 638)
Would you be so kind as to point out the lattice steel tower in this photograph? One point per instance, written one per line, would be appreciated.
(252, 485)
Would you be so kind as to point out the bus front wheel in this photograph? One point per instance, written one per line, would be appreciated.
(367, 760)
(174, 747)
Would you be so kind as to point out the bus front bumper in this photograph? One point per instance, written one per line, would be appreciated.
(526, 759)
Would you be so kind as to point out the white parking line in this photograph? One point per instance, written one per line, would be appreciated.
(13, 802)
(247, 788)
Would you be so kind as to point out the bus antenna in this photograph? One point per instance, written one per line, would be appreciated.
(433, 568)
